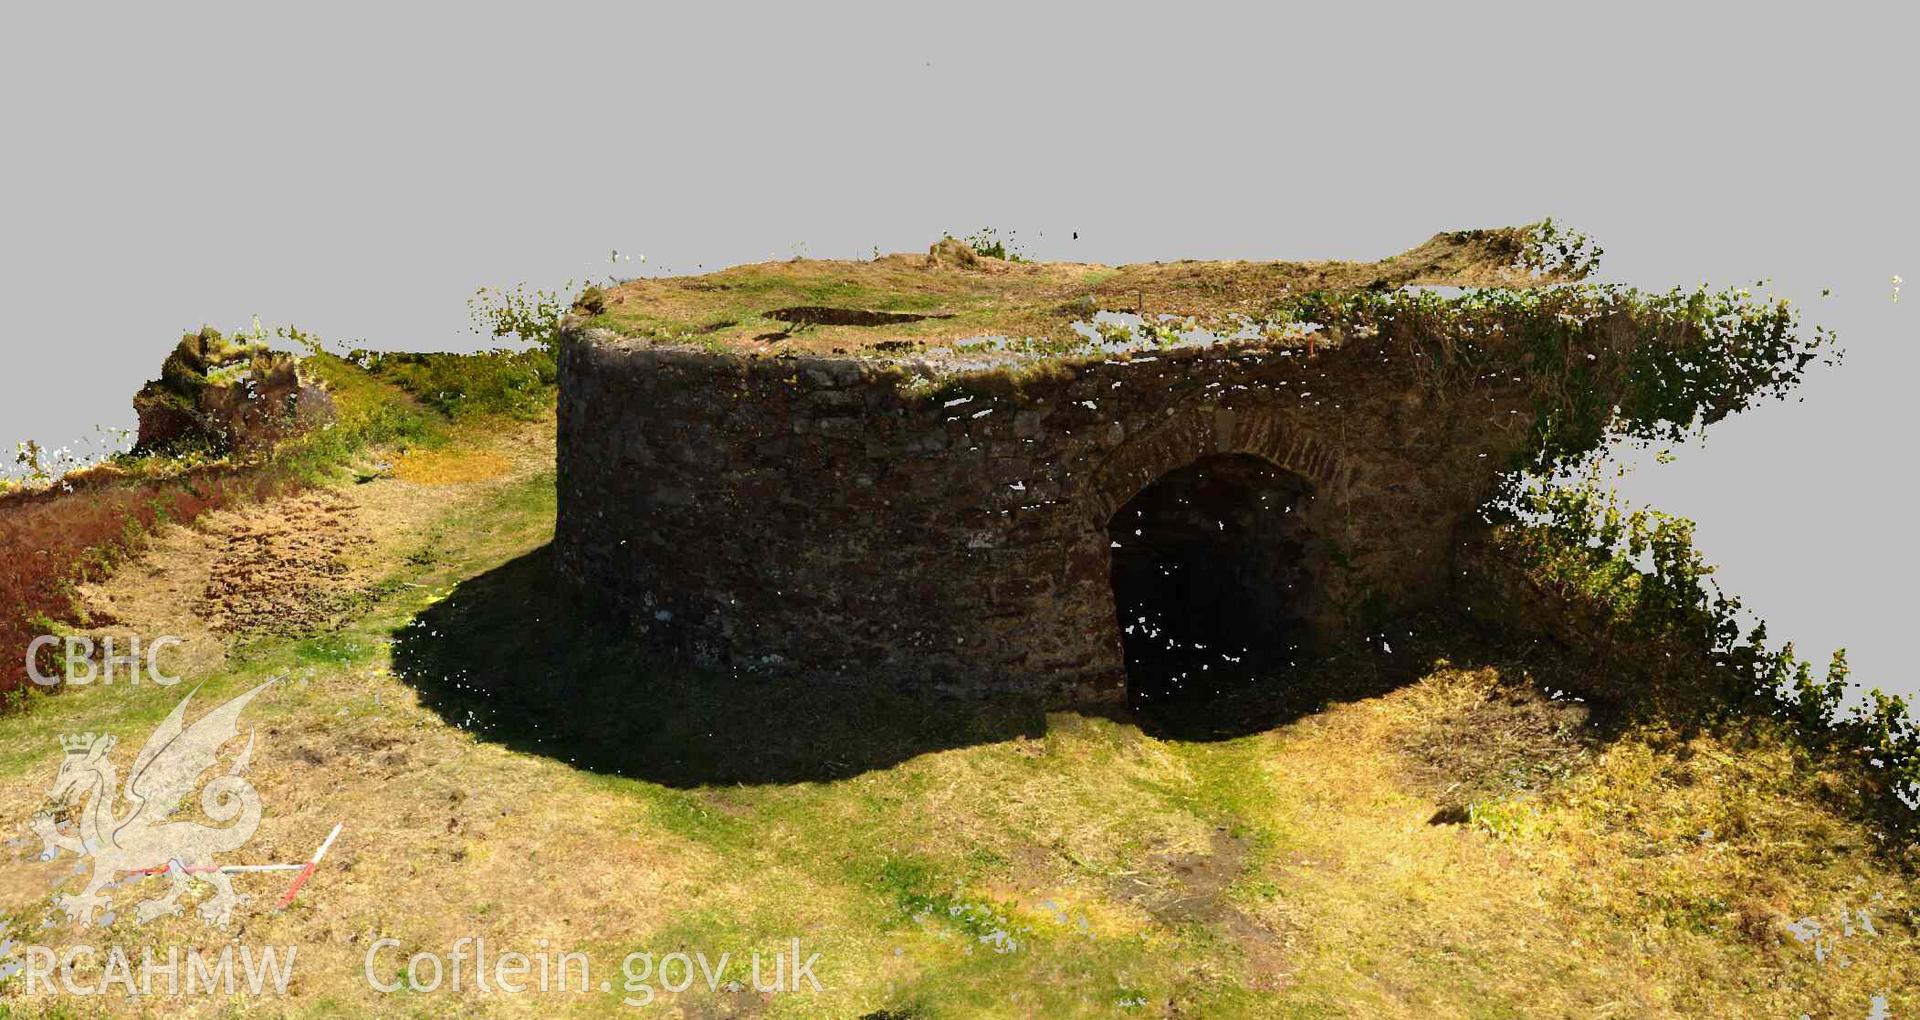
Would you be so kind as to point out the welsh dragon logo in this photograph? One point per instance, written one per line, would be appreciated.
(140, 838)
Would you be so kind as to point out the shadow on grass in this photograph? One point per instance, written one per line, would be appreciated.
(1194, 690)
(515, 656)
(1230, 703)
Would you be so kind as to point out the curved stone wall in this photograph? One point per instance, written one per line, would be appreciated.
(850, 517)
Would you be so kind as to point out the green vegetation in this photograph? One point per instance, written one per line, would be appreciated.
(987, 243)
(1552, 250)
(982, 288)
(200, 359)
(1635, 576)
(506, 764)
(515, 384)
(1606, 362)
(529, 314)
(382, 403)
(1449, 833)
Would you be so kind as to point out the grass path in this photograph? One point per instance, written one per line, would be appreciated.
(1462, 846)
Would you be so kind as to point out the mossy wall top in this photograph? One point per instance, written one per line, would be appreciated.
(902, 471)
(922, 307)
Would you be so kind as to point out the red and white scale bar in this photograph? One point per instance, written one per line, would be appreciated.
(307, 872)
(306, 869)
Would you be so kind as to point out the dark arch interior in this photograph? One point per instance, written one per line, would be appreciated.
(1212, 582)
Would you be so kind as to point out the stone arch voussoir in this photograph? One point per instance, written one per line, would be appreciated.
(1187, 436)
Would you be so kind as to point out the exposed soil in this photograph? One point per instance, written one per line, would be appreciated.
(297, 564)
(1288, 871)
(822, 315)
(1190, 887)
(282, 568)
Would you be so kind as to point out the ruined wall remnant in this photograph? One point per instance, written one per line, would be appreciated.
(225, 396)
(914, 499)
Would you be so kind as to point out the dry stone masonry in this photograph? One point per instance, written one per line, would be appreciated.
(918, 470)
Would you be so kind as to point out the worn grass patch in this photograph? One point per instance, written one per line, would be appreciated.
(508, 767)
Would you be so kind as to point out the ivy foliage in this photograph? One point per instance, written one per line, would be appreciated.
(1602, 361)
(1604, 364)
(1637, 571)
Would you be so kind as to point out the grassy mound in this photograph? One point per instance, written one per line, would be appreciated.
(1585, 794)
(1440, 830)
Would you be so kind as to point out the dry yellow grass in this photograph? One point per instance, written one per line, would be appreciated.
(450, 467)
(1460, 846)
(948, 295)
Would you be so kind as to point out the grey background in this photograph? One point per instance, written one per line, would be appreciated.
(359, 171)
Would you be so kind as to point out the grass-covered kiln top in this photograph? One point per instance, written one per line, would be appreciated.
(1604, 360)
(956, 300)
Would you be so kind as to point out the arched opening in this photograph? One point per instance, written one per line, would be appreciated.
(1213, 581)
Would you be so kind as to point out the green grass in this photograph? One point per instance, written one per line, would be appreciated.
(508, 764)
(463, 387)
